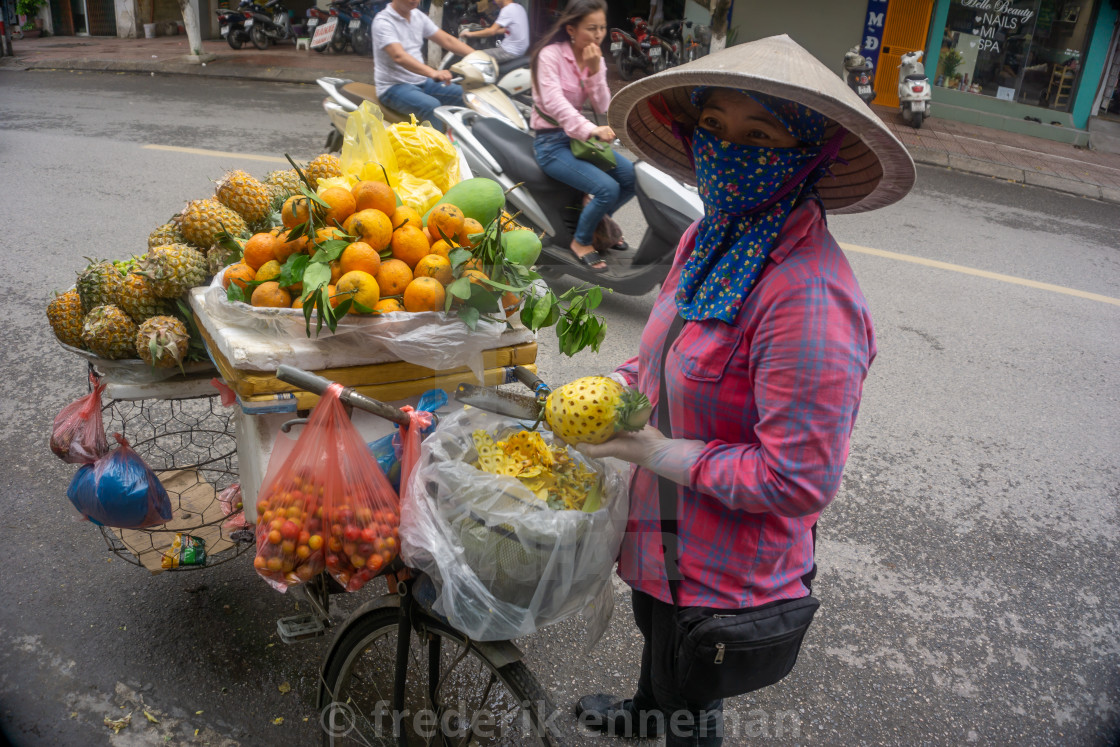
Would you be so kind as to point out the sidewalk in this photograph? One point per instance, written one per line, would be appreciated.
(977, 150)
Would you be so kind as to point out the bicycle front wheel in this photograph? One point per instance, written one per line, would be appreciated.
(454, 693)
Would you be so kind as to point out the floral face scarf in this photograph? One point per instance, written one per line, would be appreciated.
(748, 191)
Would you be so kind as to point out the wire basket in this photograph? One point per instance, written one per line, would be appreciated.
(191, 445)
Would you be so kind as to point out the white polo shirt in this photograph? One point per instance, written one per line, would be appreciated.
(515, 21)
(390, 27)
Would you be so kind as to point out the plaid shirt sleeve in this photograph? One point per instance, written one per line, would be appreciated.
(774, 397)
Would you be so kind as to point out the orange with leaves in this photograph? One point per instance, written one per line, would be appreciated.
(240, 273)
(361, 287)
(271, 295)
(424, 294)
(445, 221)
(409, 245)
(285, 248)
(388, 306)
(393, 277)
(371, 226)
(470, 227)
(406, 215)
(434, 266)
(260, 248)
(296, 210)
(341, 203)
(360, 256)
(442, 248)
(374, 196)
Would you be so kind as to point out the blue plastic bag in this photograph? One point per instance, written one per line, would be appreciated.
(120, 490)
(387, 449)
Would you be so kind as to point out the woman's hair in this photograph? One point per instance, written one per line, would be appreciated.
(574, 12)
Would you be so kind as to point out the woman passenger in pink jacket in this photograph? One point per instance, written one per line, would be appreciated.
(569, 70)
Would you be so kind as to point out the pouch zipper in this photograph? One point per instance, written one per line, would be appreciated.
(720, 649)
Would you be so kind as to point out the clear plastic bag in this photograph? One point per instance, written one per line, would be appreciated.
(504, 564)
(78, 433)
(120, 490)
(326, 504)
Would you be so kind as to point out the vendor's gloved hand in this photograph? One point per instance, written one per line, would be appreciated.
(669, 457)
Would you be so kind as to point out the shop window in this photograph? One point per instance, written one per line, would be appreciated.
(1027, 51)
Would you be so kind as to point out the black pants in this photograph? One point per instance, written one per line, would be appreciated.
(686, 723)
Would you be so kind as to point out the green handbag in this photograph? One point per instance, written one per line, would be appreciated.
(593, 150)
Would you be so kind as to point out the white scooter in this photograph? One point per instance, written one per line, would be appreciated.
(476, 73)
(914, 92)
(493, 148)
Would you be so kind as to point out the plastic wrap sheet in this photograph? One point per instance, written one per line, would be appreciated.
(433, 339)
(505, 564)
(134, 370)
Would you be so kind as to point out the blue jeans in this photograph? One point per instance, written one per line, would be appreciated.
(422, 99)
(609, 190)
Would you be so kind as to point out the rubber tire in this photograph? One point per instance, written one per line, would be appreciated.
(361, 42)
(916, 119)
(259, 38)
(235, 38)
(517, 678)
(625, 71)
(339, 41)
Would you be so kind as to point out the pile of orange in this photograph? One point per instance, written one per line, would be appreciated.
(413, 279)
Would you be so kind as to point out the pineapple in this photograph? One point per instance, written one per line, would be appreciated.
(99, 284)
(162, 341)
(202, 221)
(325, 166)
(174, 269)
(168, 233)
(139, 298)
(248, 197)
(592, 409)
(283, 184)
(65, 314)
(109, 332)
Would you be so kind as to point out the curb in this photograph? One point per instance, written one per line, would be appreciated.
(1013, 174)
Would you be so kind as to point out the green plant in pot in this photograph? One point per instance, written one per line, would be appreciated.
(950, 60)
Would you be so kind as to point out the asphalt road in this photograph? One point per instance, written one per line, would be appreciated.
(968, 566)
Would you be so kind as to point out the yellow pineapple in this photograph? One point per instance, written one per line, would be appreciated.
(202, 221)
(109, 332)
(245, 195)
(65, 314)
(594, 408)
(326, 166)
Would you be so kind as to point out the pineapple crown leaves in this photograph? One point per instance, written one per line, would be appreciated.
(633, 410)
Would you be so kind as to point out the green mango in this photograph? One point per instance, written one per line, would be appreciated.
(479, 198)
(521, 246)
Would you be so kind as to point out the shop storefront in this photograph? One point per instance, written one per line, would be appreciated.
(1017, 63)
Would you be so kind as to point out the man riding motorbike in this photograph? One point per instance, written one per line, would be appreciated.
(512, 21)
(404, 83)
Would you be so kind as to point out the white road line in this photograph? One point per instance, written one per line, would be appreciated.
(981, 273)
(218, 153)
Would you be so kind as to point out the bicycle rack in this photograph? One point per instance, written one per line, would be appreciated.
(313, 624)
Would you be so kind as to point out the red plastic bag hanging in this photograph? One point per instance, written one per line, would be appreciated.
(78, 434)
(329, 469)
(362, 506)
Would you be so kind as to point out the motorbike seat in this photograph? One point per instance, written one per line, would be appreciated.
(916, 77)
(513, 150)
(508, 65)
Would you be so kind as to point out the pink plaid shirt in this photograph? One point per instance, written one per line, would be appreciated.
(558, 93)
(774, 397)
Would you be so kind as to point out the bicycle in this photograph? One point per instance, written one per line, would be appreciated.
(397, 673)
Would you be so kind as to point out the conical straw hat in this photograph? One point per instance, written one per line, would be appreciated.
(875, 170)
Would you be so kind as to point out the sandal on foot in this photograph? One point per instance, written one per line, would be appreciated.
(621, 246)
(591, 259)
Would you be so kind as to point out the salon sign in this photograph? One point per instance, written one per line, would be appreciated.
(994, 21)
(873, 31)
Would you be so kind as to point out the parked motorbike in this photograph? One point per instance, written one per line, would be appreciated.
(857, 74)
(337, 18)
(231, 24)
(690, 39)
(361, 24)
(476, 73)
(495, 149)
(640, 52)
(268, 24)
(914, 92)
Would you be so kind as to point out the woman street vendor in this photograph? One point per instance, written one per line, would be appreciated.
(764, 379)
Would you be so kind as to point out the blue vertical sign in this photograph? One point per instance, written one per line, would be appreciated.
(873, 30)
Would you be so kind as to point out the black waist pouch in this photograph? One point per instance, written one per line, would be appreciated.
(721, 654)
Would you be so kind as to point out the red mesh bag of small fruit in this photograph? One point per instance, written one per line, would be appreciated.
(324, 500)
(363, 514)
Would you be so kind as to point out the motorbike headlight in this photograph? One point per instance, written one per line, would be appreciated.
(482, 106)
(486, 68)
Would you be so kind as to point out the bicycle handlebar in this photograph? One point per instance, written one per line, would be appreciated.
(317, 385)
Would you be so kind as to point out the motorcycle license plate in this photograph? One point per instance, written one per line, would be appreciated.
(225, 30)
(248, 23)
(355, 24)
(655, 52)
(917, 106)
(313, 23)
(864, 90)
(616, 46)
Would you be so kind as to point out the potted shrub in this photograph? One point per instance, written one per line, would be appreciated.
(950, 61)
